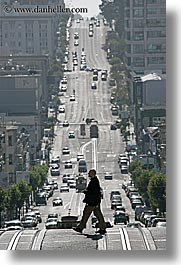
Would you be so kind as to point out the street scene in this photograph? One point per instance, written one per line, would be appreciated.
(80, 93)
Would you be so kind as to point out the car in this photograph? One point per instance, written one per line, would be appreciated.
(108, 176)
(123, 162)
(68, 164)
(80, 156)
(82, 165)
(13, 225)
(29, 221)
(65, 151)
(90, 33)
(65, 123)
(136, 202)
(139, 210)
(95, 77)
(55, 170)
(115, 111)
(113, 127)
(55, 160)
(134, 225)
(57, 201)
(71, 135)
(124, 170)
(61, 109)
(156, 220)
(72, 98)
(108, 224)
(71, 183)
(114, 192)
(76, 35)
(120, 218)
(64, 80)
(122, 157)
(115, 203)
(161, 224)
(76, 43)
(38, 216)
(51, 223)
(64, 188)
(65, 178)
(75, 62)
(63, 88)
(94, 85)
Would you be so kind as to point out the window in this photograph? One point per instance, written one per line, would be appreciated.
(138, 61)
(10, 140)
(138, 23)
(139, 35)
(151, 11)
(138, 48)
(138, 12)
(10, 159)
(156, 34)
(138, 3)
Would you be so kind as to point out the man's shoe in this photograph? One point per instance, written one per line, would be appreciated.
(101, 231)
(77, 229)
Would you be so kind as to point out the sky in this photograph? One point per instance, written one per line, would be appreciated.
(91, 5)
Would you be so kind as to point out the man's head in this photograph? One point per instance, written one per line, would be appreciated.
(92, 173)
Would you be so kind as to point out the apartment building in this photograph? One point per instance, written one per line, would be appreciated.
(145, 36)
(13, 155)
(28, 33)
(149, 101)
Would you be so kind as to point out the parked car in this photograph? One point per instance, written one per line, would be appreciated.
(120, 218)
(115, 203)
(114, 192)
(13, 225)
(156, 220)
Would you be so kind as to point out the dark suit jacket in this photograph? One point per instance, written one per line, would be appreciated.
(93, 192)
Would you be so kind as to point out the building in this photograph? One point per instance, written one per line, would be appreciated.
(28, 33)
(149, 98)
(14, 156)
(145, 36)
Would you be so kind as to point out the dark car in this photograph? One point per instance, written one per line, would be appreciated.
(120, 218)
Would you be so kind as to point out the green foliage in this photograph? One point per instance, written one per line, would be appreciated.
(2, 199)
(152, 186)
(38, 175)
(157, 192)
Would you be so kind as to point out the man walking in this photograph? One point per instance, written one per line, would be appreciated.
(92, 200)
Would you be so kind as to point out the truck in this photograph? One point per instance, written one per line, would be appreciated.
(94, 133)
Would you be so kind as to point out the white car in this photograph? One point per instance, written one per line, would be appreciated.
(65, 151)
(71, 134)
(72, 98)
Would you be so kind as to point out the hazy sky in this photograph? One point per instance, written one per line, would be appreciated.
(91, 5)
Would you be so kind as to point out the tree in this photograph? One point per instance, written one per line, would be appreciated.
(25, 190)
(157, 192)
(2, 202)
(38, 175)
(13, 200)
